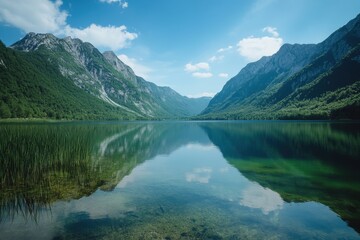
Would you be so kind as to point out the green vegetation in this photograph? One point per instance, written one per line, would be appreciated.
(173, 104)
(333, 95)
(308, 161)
(41, 163)
(46, 77)
(31, 87)
(298, 82)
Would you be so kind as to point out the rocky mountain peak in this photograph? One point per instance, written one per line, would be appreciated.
(277, 79)
(289, 59)
(110, 55)
(292, 57)
(74, 41)
(32, 41)
(121, 67)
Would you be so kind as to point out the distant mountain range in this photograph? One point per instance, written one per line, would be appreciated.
(43, 76)
(308, 81)
(46, 77)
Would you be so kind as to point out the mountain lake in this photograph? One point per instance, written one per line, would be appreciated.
(180, 180)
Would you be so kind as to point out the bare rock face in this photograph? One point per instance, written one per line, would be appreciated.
(272, 79)
(108, 78)
(120, 66)
(33, 41)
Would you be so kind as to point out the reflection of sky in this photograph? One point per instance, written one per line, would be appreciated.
(195, 170)
(137, 174)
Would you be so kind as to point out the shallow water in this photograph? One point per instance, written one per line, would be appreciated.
(180, 180)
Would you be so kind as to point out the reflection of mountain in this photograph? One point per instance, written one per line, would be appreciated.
(43, 163)
(301, 161)
(40, 163)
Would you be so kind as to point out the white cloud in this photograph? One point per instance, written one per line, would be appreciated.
(109, 37)
(45, 16)
(222, 51)
(213, 59)
(216, 58)
(200, 175)
(272, 31)
(253, 48)
(196, 67)
(139, 69)
(228, 48)
(109, 1)
(203, 94)
(40, 16)
(123, 4)
(202, 74)
(223, 75)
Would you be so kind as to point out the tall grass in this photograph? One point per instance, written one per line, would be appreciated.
(38, 161)
(42, 163)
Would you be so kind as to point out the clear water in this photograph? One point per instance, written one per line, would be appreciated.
(180, 180)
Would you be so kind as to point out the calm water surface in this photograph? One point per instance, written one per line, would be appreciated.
(180, 180)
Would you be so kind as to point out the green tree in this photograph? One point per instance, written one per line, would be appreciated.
(4, 111)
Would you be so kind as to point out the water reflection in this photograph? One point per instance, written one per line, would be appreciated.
(43, 163)
(203, 180)
(304, 161)
(256, 196)
(201, 175)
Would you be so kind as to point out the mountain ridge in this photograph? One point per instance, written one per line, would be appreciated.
(300, 81)
(101, 75)
(260, 89)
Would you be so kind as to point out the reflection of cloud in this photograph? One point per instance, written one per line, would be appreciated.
(200, 175)
(200, 146)
(224, 170)
(265, 199)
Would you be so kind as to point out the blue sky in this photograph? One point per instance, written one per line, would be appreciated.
(193, 46)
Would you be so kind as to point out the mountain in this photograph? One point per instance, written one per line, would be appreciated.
(164, 97)
(31, 87)
(71, 79)
(300, 81)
